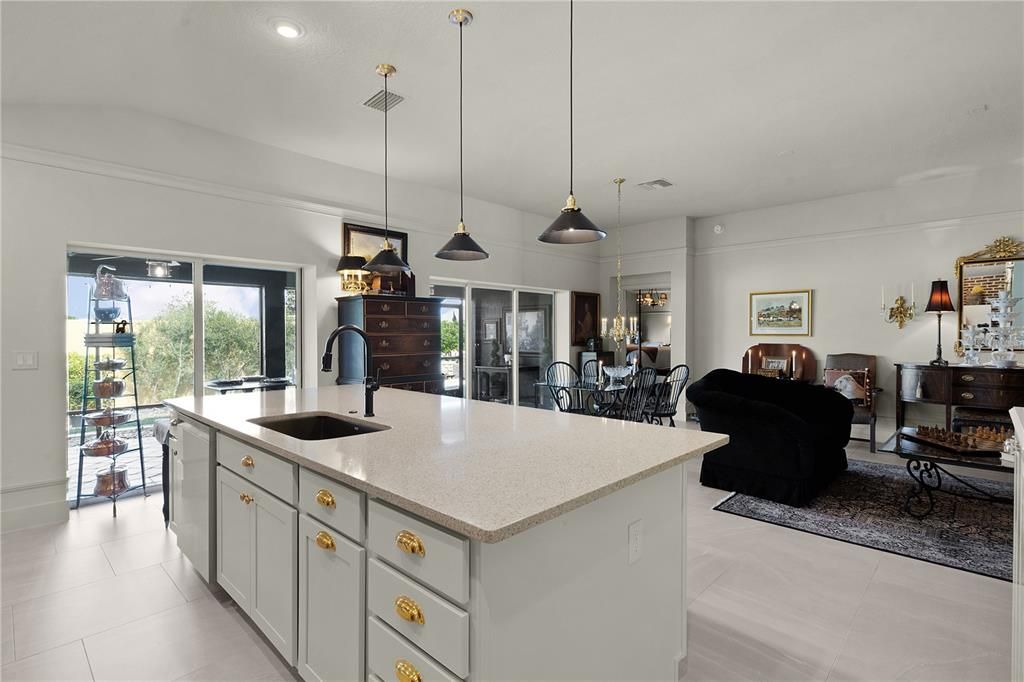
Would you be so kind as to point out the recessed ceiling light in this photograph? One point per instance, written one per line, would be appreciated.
(286, 28)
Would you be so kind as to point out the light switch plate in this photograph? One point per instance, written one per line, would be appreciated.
(636, 536)
(26, 359)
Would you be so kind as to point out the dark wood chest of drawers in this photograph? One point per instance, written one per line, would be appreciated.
(957, 386)
(405, 336)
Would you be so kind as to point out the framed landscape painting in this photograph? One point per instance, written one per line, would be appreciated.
(780, 313)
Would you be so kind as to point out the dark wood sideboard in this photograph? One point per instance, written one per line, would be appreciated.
(405, 336)
(957, 386)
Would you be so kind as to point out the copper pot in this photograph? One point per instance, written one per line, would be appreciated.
(108, 388)
(108, 417)
(106, 445)
(111, 482)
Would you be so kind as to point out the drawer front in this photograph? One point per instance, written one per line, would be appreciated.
(406, 365)
(426, 620)
(273, 474)
(386, 649)
(984, 397)
(1008, 379)
(337, 505)
(409, 343)
(921, 385)
(423, 309)
(385, 308)
(391, 325)
(442, 563)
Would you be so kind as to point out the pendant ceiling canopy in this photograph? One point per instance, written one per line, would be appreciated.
(387, 261)
(571, 226)
(461, 246)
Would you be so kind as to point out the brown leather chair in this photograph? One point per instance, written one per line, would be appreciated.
(862, 414)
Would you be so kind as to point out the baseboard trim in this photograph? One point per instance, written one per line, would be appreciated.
(33, 505)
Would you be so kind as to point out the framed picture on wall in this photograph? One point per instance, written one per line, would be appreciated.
(780, 313)
(490, 331)
(360, 240)
(585, 311)
(533, 330)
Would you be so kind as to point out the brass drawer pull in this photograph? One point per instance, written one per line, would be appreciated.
(409, 610)
(325, 541)
(384, 343)
(245, 498)
(426, 343)
(967, 396)
(968, 378)
(426, 325)
(424, 308)
(383, 324)
(385, 366)
(426, 363)
(386, 307)
(406, 671)
(325, 499)
(247, 461)
(410, 543)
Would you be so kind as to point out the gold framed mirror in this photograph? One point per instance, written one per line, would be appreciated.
(982, 274)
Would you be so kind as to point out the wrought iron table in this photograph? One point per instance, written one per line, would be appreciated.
(927, 465)
(597, 399)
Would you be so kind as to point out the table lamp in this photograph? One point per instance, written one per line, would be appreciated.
(939, 302)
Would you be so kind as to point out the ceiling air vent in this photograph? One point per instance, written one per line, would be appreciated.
(660, 183)
(377, 101)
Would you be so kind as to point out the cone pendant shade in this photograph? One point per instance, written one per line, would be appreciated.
(461, 247)
(387, 262)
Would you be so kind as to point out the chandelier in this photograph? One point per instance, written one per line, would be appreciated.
(652, 298)
(618, 332)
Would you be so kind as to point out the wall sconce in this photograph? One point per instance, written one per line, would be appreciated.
(901, 311)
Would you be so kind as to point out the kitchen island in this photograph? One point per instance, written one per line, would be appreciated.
(465, 540)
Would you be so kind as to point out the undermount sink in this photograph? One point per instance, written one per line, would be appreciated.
(318, 425)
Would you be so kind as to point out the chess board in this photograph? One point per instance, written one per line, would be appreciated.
(982, 447)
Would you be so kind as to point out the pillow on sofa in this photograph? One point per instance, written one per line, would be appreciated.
(854, 384)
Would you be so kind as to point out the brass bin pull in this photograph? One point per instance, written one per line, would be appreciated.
(406, 671)
(325, 499)
(385, 307)
(967, 395)
(968, 377)
(410, 543)
(409, 610)
(245, 498)
(247, 461)
(325, 541)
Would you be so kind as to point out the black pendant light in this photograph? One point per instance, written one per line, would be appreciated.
(571, 226)
(461, 246)
(387, 261)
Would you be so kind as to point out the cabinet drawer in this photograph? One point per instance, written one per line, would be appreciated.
(271, 473)
(444, 632)
(1009, 379)
(922, 385)
(335, 504)
(432, 556)
(410, 343)
(423, 309)
(405, 365)
(984, 397)
(390, 325)
(385, 308)
(386, 649)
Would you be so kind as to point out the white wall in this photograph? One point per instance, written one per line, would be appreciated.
(845, 248)
(117, 178)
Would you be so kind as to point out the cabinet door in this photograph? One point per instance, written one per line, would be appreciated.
(175, 471)
(192, 496)
(274, 605)
(235, 517)
(331, 603)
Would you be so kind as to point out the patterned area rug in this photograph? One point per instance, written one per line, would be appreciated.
(864, 506)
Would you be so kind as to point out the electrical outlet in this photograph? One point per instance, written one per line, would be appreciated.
(26, 359)
(636, 535)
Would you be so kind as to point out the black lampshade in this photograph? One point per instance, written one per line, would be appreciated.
(350, 264)
(939, 301)
(572, 227)
(461, 247)
(387, 262)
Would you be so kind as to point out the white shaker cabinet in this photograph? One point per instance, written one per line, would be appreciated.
(191, 468)
(331, 604)
(256, 548)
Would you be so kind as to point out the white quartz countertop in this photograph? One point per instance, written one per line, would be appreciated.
(483, 470)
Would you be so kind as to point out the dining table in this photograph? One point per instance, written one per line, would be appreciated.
(596, 398)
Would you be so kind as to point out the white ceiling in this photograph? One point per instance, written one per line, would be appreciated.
(741, 105)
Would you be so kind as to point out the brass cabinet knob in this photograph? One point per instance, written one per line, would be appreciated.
(967, 396)
(406, 671)
(325, 499)
(410, 543)
(968, 378)
(245, 498)
(247, 461)
(325, 541)
(409, 610)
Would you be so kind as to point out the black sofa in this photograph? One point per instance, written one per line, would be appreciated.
(787, 439)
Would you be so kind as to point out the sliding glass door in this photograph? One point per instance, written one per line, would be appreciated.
(492, 345)
(533, 334)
